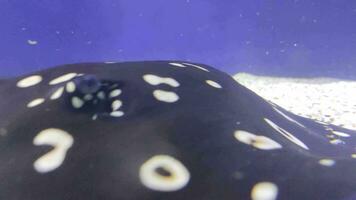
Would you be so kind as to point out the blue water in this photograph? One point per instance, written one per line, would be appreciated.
(284, 38)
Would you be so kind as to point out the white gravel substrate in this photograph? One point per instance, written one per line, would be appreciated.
(328, 100)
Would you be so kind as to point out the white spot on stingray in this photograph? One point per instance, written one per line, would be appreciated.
(341, 134)
(32, 42)
(95, 116)
(177, 178)
(117, 114)
(115, 93)
(60, 140)
(35, 102)
(156, 80)
(63, 78)
(258, 141)
(177, 64)
(264, 191)
(165, 96)
(327, 162)
(29, 81)
(57, 94)
(336, 141)
(286, 134)
(88, 97)
(196, 66)
(116, 105)
(70, 87)
(113, 86)
(101, 95)
(287, 117)
(213, 84)
(353, 155)
(77, 102)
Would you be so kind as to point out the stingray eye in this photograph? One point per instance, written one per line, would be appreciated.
(88, 84)
(164, 173)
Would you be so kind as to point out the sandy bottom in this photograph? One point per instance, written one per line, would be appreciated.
(328, 100)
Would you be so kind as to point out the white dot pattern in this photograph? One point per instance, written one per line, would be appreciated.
(77, 102)
(213, 84)
(29, 81)
(327, 162)
(70, 87)
(165, 96)
(116, 114)
(35, 102)
(115, 93)
(156, 80)
(264, 191)
(287, 117)
(177, 65)
(341, 134)
(116, 105)
(178, 179)
(196, 66)
(60, 140)
(286, 134)
(257, 141)
(63, 78)
(57, 94)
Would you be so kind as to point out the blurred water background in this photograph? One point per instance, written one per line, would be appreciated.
(303, 38)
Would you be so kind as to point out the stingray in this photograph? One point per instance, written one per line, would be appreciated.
(162, 130)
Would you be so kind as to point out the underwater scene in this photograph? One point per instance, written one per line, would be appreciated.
(178, 100)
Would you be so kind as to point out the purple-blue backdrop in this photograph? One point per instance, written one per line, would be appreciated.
(289, 37)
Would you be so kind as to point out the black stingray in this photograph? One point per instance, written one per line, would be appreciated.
(195, 124)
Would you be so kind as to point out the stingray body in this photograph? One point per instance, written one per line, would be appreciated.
(162, 130)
